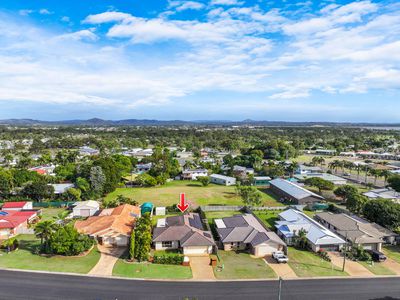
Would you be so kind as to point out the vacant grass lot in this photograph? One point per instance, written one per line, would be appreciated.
(377, 268)
(51, 213)
(242, 266)
(24, 258)
(393, 252)
(196, 194)
(151, 271)
(268, 217)
(308, 264)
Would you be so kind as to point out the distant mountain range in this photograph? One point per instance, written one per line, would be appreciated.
(145, 122)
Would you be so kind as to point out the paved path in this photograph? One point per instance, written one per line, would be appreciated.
(201, 268)
(352, 268)
(392, 265)
(36, 286)
(108, 258)
(282, 270)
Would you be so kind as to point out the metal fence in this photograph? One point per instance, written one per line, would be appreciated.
(238, 208)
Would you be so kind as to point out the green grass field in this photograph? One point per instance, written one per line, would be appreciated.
(196, 194)
(377, 268)
(151, 271)
(268, 217)
(51, 213)
(24, 258)
(242, 266)
(308, 264)
(393, 252)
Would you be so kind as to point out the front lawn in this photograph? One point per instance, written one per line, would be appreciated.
(196, 194)
(269, 217)
(51, 213)
(377, 268)
(25, 258)
(307, 264)
(393, 252)
(151, 271)
(241, 266)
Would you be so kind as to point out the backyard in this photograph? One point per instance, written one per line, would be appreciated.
(25, 258)
(234, 265)
(151, 271)
(51, 213)
(268, 217)
(307, 264)
(196, 194)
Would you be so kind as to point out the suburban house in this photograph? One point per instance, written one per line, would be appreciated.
(18, 206)
(356, 230)
(240, 171)
(193, 174)
(383, 193)
(112, 227)
(61, 188)
(292, 192)
(143, 168)
(291, 221)
(303, 169)
(222, 179)
(184, 232)
(261, 180)
(325, 152)
(246, 232)
(336, 180)
(85, 208)
(44, 170)
(15, 218)
(87, 151)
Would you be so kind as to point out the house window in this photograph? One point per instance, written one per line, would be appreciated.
(167, 244)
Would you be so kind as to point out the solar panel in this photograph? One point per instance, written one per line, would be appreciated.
(3, 213)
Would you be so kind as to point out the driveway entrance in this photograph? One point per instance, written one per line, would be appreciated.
(201, 268)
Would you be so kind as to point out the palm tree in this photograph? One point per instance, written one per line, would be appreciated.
(376, 173)
(367, 171)
(44, 230)
(385, 174)
(292, 168)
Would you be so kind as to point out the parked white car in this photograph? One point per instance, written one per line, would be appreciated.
(280, 257)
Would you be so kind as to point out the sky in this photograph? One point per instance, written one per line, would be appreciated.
(200, 60)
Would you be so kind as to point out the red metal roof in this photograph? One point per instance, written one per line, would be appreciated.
(18, 204)
(15, 218)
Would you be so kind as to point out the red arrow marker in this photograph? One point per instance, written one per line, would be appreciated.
(182, 203)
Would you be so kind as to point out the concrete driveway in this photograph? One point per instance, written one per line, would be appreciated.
(392, 265)
(108, 258)
(201, 268)
(352, 268)
(282, 270)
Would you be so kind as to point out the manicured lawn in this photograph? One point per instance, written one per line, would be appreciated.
(308, 264)
(393, 252)
(151, 271)
(377, 268)
(196, 194)
(268, 217)
(50, 213)
(242, 266)
(24, 258)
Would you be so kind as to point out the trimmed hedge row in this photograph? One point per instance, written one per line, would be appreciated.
(172, 259)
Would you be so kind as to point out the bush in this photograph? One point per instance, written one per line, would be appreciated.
(10, 244)
(358, 253)
(324, 255)
(171, 259)
(67, 241)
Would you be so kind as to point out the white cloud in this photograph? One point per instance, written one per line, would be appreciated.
(225, 2)
(85, 34)
(45, 11)
(25, 12)
(186, 5)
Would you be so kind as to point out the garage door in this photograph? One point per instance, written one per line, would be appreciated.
(195, 250)
(85, 212)
(368, 247)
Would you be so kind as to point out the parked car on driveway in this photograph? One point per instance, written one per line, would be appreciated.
(280, 257)
(377, 256)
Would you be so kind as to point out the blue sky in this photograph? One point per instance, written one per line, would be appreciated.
(198, 60)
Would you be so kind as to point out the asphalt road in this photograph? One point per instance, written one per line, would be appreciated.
(26, 285)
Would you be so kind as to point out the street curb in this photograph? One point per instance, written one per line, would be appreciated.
(200, 281)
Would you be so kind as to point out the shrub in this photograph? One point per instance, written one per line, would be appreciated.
(171, 259)
(324, 255)
(10, 244)
(67, 241)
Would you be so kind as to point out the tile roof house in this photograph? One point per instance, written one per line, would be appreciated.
(14, 222)
(383, 193)
(318, 237)
(290, 191)
(245, 232)
(112, 226)
(357, 231)
(184, 232)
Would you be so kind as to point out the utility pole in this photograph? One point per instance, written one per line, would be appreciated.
(345, 252)
(280, 288)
